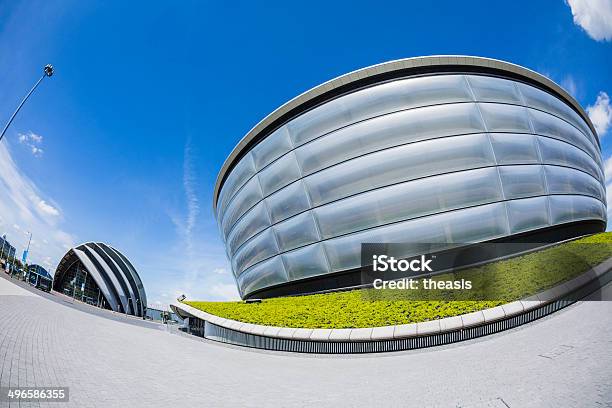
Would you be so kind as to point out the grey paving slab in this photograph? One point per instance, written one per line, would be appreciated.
(302, 334)
(405, 330)
(530, 303)
(451, 323)
(513, 308)
(340, 334)
(271, 331)
(286, 332)
(472, 319)
(361, 334)
(383, 333)
(492, 314)
(320, 334)
(259, 329)
(426, 328)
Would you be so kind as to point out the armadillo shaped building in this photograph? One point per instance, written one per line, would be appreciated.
(100, 275)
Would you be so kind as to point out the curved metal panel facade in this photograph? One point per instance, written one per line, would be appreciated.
(449, 157)
(118, 282)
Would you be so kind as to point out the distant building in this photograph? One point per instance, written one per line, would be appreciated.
(39, 270)
(7, 251)
(98, 274)
(39, 277)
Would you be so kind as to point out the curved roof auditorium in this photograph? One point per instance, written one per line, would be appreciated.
(436, 149)
(100, 275)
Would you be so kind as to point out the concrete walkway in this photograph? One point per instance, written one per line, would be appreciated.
(564, 360)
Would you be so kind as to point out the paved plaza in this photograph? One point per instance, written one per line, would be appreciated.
(564, 360)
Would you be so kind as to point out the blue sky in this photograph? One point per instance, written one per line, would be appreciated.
(124, 143)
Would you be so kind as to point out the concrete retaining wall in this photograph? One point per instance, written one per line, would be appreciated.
(404, 336)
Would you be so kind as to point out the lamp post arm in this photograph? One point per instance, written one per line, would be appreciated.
(48, 71)
(20, 105)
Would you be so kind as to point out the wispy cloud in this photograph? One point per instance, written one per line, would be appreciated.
(48, 208)
(569, 84)
(594, 16)
(185, 220)
(198, 262)
(25, 208)
(224, 291)
(33, 142)
(608, 176)
(608, 169)
(204, 283)
(601, 114)
(193, 205)
(193, 209)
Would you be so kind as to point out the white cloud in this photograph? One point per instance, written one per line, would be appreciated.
(48, 263)
(608, 176)
(47, 208)
(569, 84)
(30, 137)
(36, 151)
(198, 267)
(594, 16)
(201, 283)
(601, 113)
(608, 169)
(36, 138)
(185, 223)
(33, 141)
(609, 200)
(225, 291)
(28, 209)
(193, 205)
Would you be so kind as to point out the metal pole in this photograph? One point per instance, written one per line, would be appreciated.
(84, 284)
(48, 71)
(27, 251)
(74, 283)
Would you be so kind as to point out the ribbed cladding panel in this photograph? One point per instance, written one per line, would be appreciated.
(129, 276)
(105, 270)
(398, 95)
(141, 290)
(120, 275)
(392, 71)
(102, 280)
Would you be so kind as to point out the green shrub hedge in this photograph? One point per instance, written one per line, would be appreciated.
(509, 279)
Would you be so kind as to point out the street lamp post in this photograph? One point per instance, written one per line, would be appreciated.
(47, 72)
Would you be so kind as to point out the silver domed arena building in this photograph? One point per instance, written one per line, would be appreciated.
(447, 149)
(100, 275)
